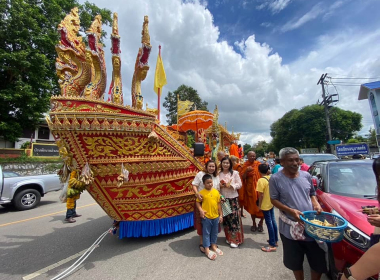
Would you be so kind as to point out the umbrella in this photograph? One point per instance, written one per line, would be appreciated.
(195, 120)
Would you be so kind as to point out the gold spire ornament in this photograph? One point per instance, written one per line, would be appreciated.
(116, 87)
(141, 66)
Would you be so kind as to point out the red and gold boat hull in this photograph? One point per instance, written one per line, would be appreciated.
(158, 196)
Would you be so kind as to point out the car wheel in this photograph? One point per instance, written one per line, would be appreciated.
(26, 199)
(333, 272)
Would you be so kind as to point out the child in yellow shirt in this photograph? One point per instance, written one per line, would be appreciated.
(267, 207)
(211, 213)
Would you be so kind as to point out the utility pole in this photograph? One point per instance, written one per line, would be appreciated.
(325, 102)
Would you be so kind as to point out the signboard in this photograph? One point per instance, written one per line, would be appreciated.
(310, 151)
(351, 149)
(45, 150)
(333, 142)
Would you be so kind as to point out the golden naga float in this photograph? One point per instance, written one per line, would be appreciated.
(137, 170)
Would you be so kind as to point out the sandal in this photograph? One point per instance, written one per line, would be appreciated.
(201, 248)
(218, 251)
(253, 228)
(211, 255)
(268, 249)
(260, 228)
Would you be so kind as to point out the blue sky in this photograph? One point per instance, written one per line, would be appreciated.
(290, 27)
(255, 60)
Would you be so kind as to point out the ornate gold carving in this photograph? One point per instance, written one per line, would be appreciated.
(85, 124)
(105, 125)
(116, 88)
(159, 214)
(153, 137)
(146, 191)
(151, 110)
(95, 124)
(50, 124)
(132, 159)
(125, 125)
(154, 178)
(73, 71)
(167, 137)
(133, 206)
(98, 195)
(75, 124)
(57, 123)
(93, 106)
(141, 66)
(145, 39)
(66, 124)
(103, 146)
(59, 106)
(115, 125)
(95, 89)
(142, 167)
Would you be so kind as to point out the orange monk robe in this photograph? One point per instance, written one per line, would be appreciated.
(234, 150)
(249, 185)
(207, 148)
(241, 152)
(241, 191)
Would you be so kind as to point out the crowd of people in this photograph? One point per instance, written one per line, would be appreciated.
(257, 188)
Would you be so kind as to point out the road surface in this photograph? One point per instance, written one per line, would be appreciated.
(37, 244)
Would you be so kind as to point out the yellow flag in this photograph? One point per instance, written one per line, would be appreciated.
(160, 75)
(184, 107)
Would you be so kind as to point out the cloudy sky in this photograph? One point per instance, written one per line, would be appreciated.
(255, 59)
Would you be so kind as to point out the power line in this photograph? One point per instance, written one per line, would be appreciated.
(351, 78)
(345, 82)
(343, 85)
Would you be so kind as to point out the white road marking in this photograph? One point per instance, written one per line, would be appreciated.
(50, 267)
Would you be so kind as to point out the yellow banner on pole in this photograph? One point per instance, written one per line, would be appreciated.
(160, 75)
(184, 107)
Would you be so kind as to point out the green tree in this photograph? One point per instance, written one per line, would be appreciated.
(372, 138)
(306, 128)
(353, 141)
(247, 148)
(185, 93)
(190, 140)
(261, 148)
(28, 35)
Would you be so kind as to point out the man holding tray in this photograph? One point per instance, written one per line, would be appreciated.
(292, 192)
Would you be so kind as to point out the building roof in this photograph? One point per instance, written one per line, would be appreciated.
(365, 88)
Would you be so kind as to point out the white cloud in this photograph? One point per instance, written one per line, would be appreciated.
(275, 6)
(278, 5)
(262, 6)
(266, 24)
(330, 11)
(298, 22)
(252, 87)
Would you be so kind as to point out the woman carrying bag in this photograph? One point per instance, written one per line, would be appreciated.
(230, 182)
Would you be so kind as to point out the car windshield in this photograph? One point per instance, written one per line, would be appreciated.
(355, 180)
(309, 159)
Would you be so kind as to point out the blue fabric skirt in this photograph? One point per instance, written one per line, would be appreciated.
(155, 227)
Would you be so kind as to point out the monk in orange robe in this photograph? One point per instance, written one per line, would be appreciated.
(250, 175)
(234, 150)
(207, 148)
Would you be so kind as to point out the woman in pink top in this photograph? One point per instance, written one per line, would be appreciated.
(230, 182)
